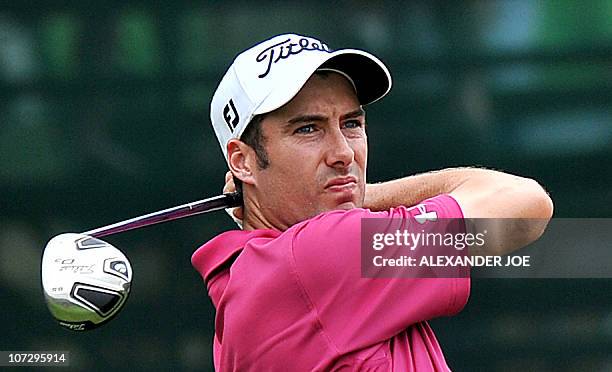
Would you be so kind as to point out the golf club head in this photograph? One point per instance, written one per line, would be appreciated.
(86, 281)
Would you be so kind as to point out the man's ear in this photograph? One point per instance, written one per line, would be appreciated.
(242, 160)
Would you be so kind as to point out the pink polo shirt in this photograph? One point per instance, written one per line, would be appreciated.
(296, 300)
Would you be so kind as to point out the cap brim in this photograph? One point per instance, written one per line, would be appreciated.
(370, 76)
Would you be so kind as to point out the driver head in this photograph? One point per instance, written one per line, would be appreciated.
(86, 281)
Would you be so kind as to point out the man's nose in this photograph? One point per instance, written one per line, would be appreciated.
(340, 153)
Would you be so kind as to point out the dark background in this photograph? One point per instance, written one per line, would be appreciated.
(104, 116)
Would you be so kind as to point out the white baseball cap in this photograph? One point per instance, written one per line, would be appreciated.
(268, 75)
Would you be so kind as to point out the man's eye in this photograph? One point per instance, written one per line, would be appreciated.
(352, 124)
(305, 129)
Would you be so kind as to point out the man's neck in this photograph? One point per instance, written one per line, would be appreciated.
(255, 220)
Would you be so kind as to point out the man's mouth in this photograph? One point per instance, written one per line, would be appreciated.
(340, 184)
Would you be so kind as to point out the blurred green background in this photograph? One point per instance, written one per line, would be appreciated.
(104, 116)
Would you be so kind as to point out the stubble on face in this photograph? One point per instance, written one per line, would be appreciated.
(317, 150)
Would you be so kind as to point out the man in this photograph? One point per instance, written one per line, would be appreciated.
(288, 289)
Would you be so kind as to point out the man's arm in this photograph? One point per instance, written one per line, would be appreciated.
(516, 209)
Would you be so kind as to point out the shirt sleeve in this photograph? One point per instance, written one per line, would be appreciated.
(355, 311)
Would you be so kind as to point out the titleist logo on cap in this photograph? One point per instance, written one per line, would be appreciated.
(286, 49)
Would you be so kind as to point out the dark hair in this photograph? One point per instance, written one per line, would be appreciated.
(253, 136)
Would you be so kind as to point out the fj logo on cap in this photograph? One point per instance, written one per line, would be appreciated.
(286, 49)
(231, 118)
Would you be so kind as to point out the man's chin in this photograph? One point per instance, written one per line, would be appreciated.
(346, 202)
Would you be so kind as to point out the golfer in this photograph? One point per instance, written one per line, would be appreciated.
(288, 288)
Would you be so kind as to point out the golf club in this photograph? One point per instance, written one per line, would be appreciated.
(86, 281)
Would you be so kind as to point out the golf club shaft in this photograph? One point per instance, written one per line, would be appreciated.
(201, 206)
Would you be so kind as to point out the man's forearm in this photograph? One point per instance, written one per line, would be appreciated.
(411, 190)
(515, 210)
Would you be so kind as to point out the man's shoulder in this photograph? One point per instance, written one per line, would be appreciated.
(336, 215)
(330, 223)
(224, 248)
